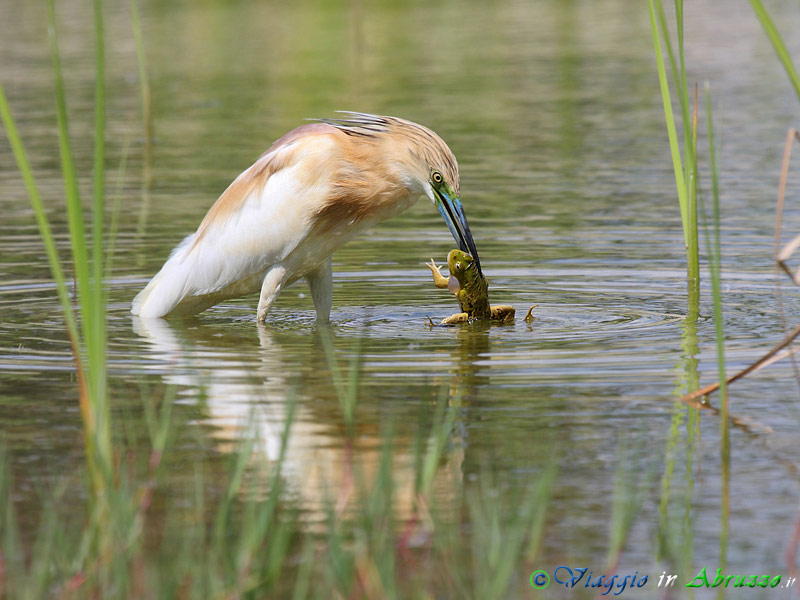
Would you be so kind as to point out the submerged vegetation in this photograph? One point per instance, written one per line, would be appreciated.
(249, 534)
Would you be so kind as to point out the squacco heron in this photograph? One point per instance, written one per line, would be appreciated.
(311, 192)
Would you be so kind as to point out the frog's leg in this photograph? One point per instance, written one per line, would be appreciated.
(529, 317)
(438, 279)
(456, 319)
(503, 312)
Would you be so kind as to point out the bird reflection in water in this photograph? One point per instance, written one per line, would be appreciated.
(247, 382)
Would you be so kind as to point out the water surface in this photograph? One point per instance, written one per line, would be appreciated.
(554, 113)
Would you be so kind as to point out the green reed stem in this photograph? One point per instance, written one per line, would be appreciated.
(346, 388)
(97, 358)
(88, 336)
(115, 205)
(144, 81)
(443, 421)
(632, 483)
(679, 81)
(91, 300)
(714, 260)
(777, 42)
(45, 232)
(72, 193)
(684, 168)
(669, 117)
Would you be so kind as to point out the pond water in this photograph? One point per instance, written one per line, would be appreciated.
(554, 112)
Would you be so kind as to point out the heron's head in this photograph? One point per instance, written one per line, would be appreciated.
(444, 195)
(435, 169)
(420, 159)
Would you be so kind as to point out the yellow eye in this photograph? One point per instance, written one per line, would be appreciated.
(436, 177)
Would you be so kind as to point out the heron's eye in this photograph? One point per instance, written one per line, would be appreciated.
(436, 177)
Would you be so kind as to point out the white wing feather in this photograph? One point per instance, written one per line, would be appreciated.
(263, 231)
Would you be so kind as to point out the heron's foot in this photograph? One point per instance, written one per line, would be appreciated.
(270, 290)
(503, 312)
(438, 279)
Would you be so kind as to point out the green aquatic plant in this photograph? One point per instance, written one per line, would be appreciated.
(777, 42)
(144, 79)
(714, 266)
(86, 324)
(684, 167)
(713, 244)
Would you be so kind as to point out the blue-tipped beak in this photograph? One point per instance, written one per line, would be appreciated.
(453, 214)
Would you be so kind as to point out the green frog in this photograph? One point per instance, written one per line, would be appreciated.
(472, 290)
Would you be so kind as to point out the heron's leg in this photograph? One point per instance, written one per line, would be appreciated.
(321, 284)
(270, 290)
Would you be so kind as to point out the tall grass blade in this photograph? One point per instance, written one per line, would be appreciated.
(544, 494)
(97, 346)
(115, 206)
(678, 78)
(689, 139)
(144, 80)
(687, 528)
(777, 42)
(690, 148)
(632, 482)
(714, 246)
(45, 232)
(96, 435)
(77, 231)
(677, 166)
(684, 168)
(443, 421)
(11, 557)
(147, 118)
(346, 388)
(714, 261)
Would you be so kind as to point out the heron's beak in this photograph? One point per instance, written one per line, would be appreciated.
(453, 214)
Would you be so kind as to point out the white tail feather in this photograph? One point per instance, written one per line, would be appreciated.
(170, 285)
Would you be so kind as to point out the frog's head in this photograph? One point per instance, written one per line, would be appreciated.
(462, 269)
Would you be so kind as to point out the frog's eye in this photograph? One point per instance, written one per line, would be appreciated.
(436, 177)
(458, 266)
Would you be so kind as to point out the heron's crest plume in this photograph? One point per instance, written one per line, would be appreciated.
(424, 143)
